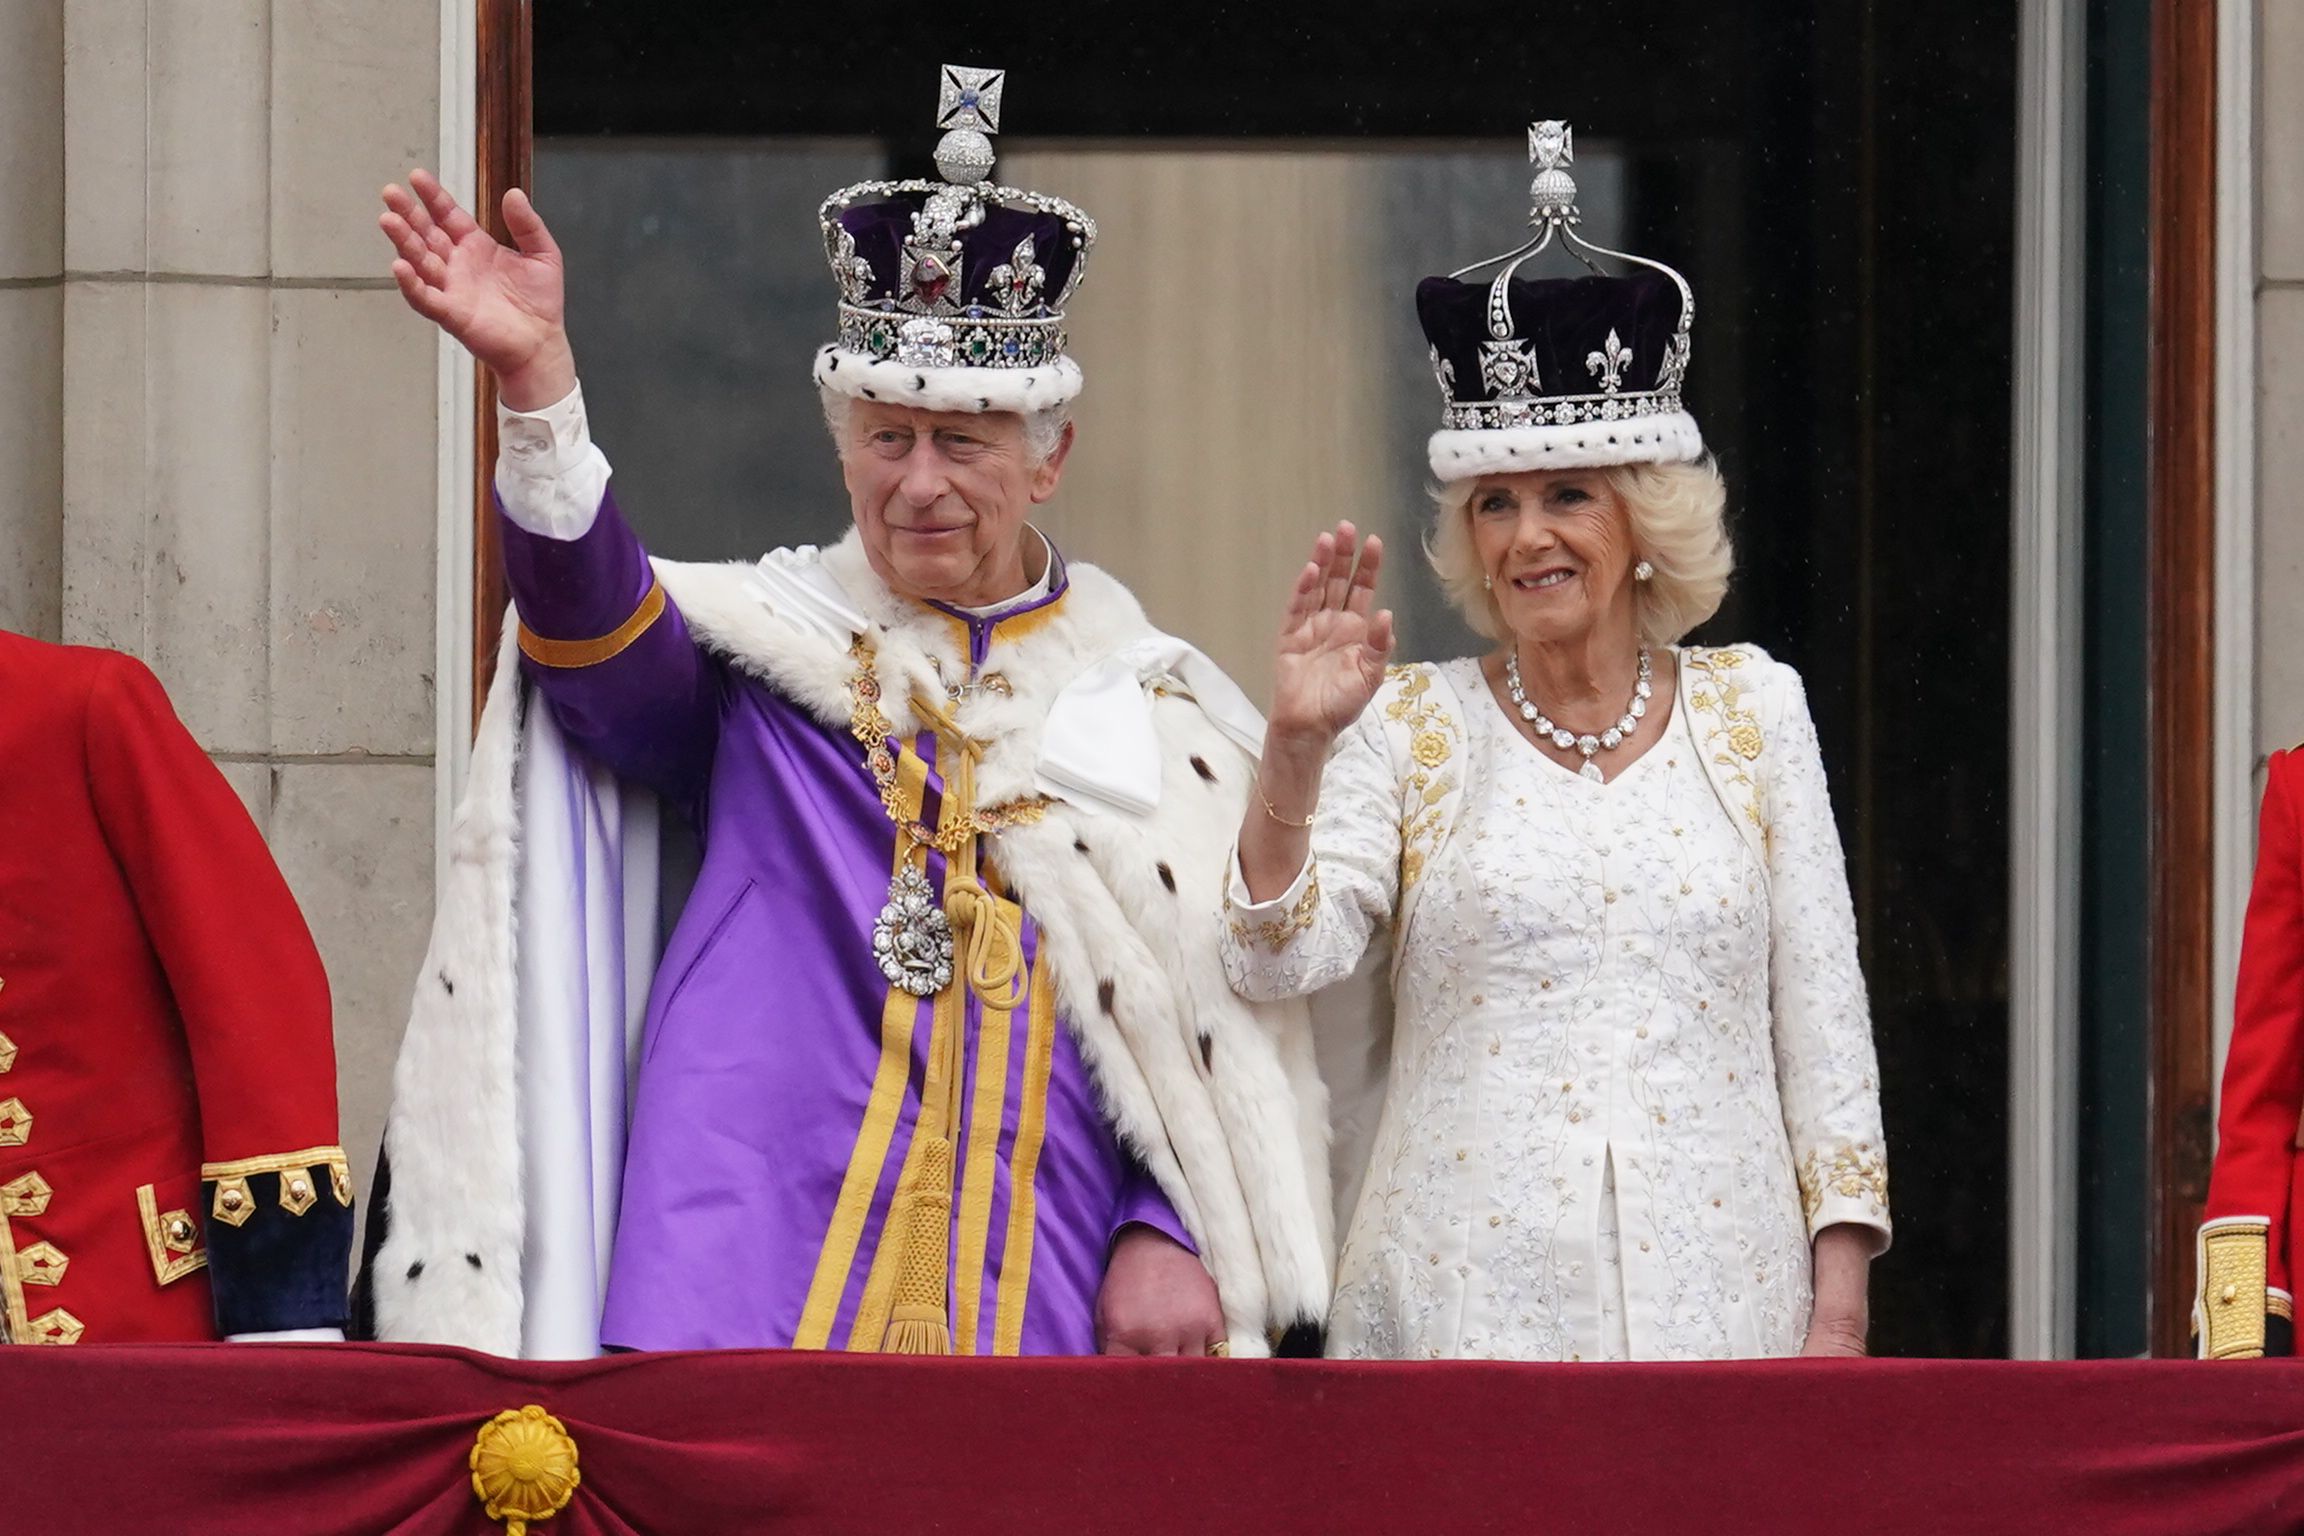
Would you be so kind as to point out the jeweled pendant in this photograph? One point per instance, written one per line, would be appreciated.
(1591, 770)
(912, 938)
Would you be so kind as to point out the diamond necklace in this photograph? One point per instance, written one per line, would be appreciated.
(1607, 741)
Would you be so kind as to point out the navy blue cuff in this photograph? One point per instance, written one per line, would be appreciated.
(279, 1247)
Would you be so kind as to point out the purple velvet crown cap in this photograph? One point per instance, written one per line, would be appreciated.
(1566, 321)
(880, 230)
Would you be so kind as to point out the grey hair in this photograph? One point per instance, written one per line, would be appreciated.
(1679, 526)
(1043, 429)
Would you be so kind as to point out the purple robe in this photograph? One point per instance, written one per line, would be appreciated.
(781, 1075)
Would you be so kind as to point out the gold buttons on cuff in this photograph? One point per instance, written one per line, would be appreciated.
(177, 1231)
(234, 1205)
(296, 1193)
(2230, 1295)
(7, 1054)
(15, 1123)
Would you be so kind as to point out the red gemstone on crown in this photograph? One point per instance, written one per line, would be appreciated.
(930, 278)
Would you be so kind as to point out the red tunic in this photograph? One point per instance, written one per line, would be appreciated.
(2247, 1243)
(168, 1158)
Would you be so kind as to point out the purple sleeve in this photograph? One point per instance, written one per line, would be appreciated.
(1142, 1204)
(650, 711)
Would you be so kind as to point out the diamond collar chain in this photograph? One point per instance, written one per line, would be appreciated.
(873, 730)
(915, 941)
(1590, 746)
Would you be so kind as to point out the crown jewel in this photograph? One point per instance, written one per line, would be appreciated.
(962, 272)
(1537, 373)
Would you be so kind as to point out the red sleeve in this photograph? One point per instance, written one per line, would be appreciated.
(253, 998)
(2263, 1097)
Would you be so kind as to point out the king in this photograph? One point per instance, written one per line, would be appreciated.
(939, 1057)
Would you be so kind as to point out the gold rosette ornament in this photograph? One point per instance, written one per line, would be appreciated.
(524, 1468)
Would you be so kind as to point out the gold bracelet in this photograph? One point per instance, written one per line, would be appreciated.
(1275, 815)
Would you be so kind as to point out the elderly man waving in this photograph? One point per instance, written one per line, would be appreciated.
(934, 1061)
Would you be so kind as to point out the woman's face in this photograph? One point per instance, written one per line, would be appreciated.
(1556, 545)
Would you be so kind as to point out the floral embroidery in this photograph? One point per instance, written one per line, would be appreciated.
(1433, 738)
(1730, 728)
(1279, 932)
(1853, 1173)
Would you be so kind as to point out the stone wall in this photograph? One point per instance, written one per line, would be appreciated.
(217, 426)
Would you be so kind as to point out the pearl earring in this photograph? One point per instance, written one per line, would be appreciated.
(1487, 583)
(1643, 572)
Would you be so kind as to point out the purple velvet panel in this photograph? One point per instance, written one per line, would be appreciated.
(880, 230)
(652, 711)
(1568, 319)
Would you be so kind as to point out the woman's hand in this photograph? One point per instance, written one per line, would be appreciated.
(503, 304)
(1333, 646)
(1334, 642)
(1841, 1320)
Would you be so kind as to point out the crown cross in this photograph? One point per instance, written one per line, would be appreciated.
(1552, 195)
(970, 98)
(967, 109)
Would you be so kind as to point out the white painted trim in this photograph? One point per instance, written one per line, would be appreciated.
(2235, 685)
(458, 167)
(2044, 668)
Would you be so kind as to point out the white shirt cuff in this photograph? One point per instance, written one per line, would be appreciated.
(549, 475)
(289, 1336)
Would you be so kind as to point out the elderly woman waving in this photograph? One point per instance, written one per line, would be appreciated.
(1631, 1109)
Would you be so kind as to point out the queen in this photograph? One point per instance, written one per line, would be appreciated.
(1632, 1109)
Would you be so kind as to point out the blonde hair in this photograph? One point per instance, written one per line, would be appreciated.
(1679, 526)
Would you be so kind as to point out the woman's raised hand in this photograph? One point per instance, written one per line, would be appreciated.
(1334, 641)
(504, 304)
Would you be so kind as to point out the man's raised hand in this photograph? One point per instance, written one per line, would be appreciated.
(503, 304)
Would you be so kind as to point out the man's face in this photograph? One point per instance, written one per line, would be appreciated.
(942, 497)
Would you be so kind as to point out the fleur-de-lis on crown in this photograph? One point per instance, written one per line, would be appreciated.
(1674, 373)
(1607, 365)
(1018, 281)
(851, 271)
(1445, 371)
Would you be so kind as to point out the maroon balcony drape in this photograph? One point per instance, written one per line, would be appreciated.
(284, 1440)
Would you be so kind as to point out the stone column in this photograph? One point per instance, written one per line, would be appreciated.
(248, 439)
(2280, 377)
(31, 316)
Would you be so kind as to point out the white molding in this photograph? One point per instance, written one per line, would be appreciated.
(458, 168)
(2044, 668)
(2236, 511)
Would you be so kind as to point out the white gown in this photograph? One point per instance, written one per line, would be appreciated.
(1632, 1071)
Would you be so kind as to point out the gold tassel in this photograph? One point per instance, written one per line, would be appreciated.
(918, 1323)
